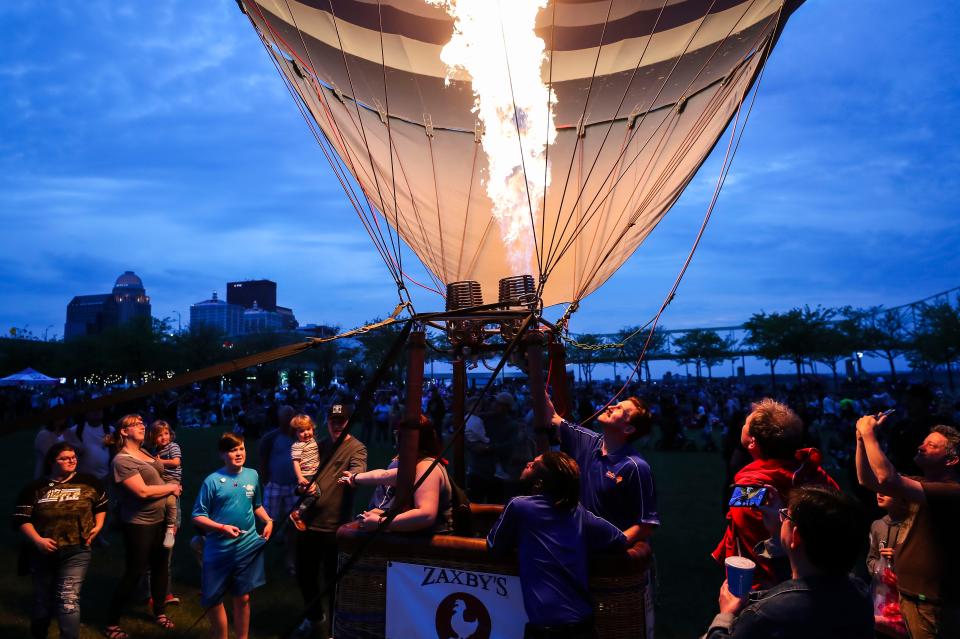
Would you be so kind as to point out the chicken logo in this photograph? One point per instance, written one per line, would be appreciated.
(462, 616)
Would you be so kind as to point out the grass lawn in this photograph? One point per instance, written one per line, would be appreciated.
(689, 500)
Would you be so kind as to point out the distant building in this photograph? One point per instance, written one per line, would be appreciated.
(251, 307)
(260, 320)
(263, 293)
(93, 314)
(214, 312)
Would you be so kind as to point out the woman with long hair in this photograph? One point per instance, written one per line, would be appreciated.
(60, 514)
(142, 495)
(432, 507)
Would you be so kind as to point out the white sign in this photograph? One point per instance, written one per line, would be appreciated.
(433, 602)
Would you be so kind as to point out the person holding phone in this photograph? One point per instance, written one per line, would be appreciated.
(771, 435)
(928, 565)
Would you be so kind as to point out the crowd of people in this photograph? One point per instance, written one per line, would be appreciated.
(892, 444)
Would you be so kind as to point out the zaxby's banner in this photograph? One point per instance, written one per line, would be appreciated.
(431, 602)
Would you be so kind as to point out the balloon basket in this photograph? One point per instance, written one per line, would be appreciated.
(618, 585)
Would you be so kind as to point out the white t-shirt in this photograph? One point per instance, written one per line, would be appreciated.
(94, 455)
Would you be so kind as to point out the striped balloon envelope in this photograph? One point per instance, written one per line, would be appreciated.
(508, 137)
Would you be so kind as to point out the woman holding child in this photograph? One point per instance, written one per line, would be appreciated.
(142, 494)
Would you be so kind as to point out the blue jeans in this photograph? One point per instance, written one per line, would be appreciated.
(57, 579)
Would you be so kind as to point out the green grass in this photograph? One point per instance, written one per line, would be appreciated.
(688, 580)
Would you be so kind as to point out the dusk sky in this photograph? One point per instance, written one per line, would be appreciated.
(157, 137)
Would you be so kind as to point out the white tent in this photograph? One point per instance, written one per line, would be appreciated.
(28, 377)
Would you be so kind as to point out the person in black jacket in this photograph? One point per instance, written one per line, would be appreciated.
(822, 532)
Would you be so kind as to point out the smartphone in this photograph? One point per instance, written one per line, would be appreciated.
(748, 496)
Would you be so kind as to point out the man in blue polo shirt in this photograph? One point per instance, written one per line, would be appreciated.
(615, 482)
(553, 535)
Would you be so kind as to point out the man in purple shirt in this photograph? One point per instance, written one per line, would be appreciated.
(553, 536)
(615, 481)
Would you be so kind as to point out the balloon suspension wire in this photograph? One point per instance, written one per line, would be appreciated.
(683, 148)
(321, 137)
(581, 126)
(394, 263)
(393, 175)
(523, 162)
(546, 153)
(565, 245)
(733, 145)
(327, 147)
(397, 509)
(682, 100)
(401, 289)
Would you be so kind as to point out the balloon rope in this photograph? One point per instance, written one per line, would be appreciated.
(330, 156)
(732, 148)
(581, 127)
(682, 150)
(565, 245)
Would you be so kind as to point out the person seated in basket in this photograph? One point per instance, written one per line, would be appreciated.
(432, 508)
(553, 535)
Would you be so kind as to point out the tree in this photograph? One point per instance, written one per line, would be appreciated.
(586, 358)
(376, 345)
(885, 335)
(836, 339)
(703, 348)
(765, 337)
(633, 346)
(801, 330)
(936, 339)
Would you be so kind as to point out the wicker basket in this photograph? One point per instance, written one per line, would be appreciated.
(617, 584)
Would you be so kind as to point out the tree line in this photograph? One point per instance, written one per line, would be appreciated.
(802, 337)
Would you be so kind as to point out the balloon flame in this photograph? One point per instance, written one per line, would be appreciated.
(503, 56)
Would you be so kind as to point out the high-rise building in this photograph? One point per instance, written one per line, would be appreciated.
(260, 320)
(251, 307)
(214, 312)
(92, 314)
(263, 293)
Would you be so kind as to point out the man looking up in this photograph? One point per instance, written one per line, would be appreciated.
(615, 481)
(927, 562)
(771, 435)
(822, 532)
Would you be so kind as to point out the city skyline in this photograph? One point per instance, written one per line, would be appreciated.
(137, 140)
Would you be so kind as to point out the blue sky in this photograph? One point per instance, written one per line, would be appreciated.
(157, 137)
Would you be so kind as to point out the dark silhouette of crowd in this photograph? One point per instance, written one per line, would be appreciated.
(892, 445)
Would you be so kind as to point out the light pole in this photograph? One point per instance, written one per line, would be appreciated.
(179, 329)
(45, 332)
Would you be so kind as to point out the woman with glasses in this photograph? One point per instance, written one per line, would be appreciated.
(59, 514)
(141, 494)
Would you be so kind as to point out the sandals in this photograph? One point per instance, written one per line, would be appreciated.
(163, 621)
(115, 632)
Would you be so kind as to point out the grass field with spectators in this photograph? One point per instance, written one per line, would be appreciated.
(689, 492)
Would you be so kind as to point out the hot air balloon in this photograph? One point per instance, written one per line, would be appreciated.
(523, 149)
(562, 180)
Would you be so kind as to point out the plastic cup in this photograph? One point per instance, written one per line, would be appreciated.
(739, 575)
